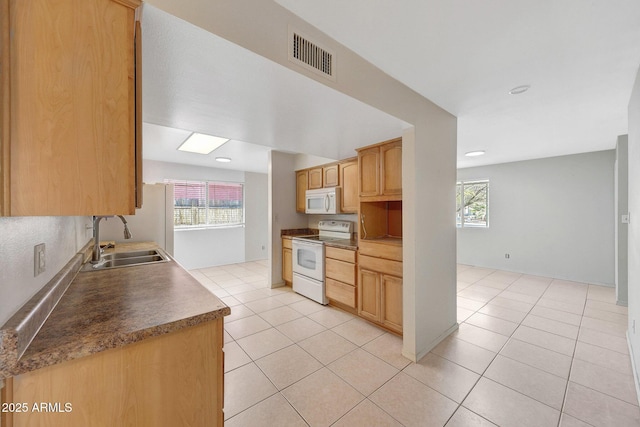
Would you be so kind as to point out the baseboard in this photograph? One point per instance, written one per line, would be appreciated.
(431, 346)
(634, 368)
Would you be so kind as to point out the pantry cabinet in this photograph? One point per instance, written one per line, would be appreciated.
(70, 74)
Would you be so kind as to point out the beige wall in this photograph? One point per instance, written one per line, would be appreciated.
(429, 161)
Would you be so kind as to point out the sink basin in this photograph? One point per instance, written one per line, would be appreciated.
(127, 259)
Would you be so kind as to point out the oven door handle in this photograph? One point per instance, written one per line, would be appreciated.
(303, 243)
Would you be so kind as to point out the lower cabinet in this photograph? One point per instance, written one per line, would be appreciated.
(169, 380)
(287, 262)
(380, 291)
(340, 276)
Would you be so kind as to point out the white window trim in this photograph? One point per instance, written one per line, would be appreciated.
(462, 224)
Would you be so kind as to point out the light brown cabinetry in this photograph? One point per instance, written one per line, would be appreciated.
(380, 285)
(380, 171)
(315, 178)
(340, 272)
(330, 177)
(302, 185)
(70, 107)
(287, 262)
(170, 380)
(349, 197)
(344, 174)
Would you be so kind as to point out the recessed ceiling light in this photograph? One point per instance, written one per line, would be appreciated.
(201, 143)
(474, 153)
(223, 159)
(519, 89)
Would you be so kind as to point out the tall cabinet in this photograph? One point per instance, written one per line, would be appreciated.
(380, 234)
(70, 73)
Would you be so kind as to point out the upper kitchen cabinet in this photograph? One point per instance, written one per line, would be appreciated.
(380, 171)
(349, 179)
(315, 178)
(70, 111)
(302, 185)
(330, 177)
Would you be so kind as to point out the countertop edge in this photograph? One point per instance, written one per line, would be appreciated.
(119, 340)
(16, 336)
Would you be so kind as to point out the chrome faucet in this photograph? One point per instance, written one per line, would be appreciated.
(95, 255)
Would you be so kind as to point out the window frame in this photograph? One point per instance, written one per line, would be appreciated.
(207, 204)
(460, 186)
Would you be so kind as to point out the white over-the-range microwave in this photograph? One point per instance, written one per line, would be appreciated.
(323, 201)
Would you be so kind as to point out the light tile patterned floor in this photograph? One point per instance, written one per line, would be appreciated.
(530, 351)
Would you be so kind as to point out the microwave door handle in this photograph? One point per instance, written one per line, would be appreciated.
(327, 204)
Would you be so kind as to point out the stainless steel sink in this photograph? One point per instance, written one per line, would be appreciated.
(127, 259)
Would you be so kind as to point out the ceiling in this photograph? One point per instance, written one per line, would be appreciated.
(195, 81)
(580, 58)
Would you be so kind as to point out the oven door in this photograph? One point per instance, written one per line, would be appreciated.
(308, 258)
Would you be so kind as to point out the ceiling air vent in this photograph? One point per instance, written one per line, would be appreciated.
(310, 55)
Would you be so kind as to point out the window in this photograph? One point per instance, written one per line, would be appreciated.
(472, 204)
(207, 204)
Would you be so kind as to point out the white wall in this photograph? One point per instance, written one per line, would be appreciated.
(282, 209)
(63, 237)
(201, 248)
(621, 207)
(553, 216)
(256, 205)
(429, 157)
(634, 227)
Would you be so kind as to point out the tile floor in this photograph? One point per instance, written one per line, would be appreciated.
(530, 351)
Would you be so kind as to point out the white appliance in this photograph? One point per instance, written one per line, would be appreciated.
(308, 258)
(323, 201)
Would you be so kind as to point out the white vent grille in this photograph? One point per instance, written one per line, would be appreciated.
(310, 55)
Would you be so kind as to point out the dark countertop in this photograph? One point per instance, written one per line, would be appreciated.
(351, 244)
(111, 308)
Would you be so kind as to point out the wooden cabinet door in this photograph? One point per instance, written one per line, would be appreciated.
(315, 178)
(349, 179)
(391, 302)
(369, 295)
(287, 266)
(72, 108)
(330, 176)
(391, 166)
(302, 179)
(369, 171)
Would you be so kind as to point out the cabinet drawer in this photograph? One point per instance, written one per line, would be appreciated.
(286, 244)
(385, 266)
(340, 270)
(346, 255)
(341, 292)
(380, 250)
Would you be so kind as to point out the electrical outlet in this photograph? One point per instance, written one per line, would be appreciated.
(39, 260)
(507, 256)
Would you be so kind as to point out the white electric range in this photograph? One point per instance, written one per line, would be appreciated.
(308, 258)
